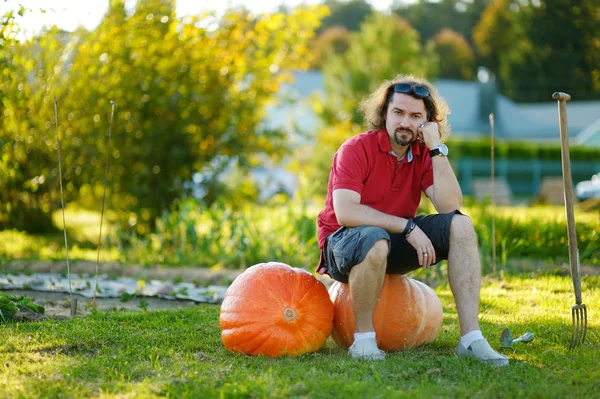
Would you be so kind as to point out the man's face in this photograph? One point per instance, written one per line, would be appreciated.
(404, 116)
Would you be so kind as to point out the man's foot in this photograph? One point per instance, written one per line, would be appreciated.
(366, 349)
(481, 350)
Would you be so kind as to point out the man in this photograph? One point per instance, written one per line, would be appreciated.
(368, 227)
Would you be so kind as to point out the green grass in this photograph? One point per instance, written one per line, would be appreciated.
(178, 354)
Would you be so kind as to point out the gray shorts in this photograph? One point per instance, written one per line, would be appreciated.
(348, 247)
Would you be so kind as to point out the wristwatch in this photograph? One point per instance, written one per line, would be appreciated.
(442, 149)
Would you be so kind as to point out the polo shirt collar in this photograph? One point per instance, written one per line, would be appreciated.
(385, 146)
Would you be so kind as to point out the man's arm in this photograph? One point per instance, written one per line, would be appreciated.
(444, 193)
(351, 213)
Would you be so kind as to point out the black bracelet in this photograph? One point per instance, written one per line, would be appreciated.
(410, 226)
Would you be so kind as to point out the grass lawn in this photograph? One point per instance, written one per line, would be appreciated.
(178, 353)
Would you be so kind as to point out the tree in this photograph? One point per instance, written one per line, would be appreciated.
(500, 28)
(27, 140)
(533, 46)
(191, 97)
(349, 14)
(429, 17)
(457, 60)
(8, 24)
(334, 40)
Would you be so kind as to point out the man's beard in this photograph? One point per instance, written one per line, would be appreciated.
(401, 140)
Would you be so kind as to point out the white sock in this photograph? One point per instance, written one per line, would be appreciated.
(363, 335)
(470, 337)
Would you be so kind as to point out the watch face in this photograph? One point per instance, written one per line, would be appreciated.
(443, 149)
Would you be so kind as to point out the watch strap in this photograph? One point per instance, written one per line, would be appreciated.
(434, 152)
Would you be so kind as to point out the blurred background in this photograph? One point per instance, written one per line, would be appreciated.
(228, 115)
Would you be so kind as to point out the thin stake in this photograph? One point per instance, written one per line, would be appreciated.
(112, 114)
(493, 200)
(62, 203)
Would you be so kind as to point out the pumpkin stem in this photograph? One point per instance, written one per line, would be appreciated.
(289, 314)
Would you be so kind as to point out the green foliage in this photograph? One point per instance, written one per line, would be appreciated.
(191, 97)
(179, 354)
(334, 40)
(535, 233)
(349, 14)
(533, 45)
(456, 56)
(430, 17)
(27, 162)
(10, 304)
(384, 47)
(143, 304)
(9, 25)
(222, 236)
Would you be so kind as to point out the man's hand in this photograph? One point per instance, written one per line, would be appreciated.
(430, 134)
(422, 244)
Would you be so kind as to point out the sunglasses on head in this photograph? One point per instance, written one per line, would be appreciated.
(416, 90)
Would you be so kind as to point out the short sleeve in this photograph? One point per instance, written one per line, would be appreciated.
(350, 167)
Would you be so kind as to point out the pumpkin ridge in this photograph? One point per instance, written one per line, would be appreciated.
(308, 292)
(247, 298)
(301, 334)
(423, 310)
(267, 290)
(242, 323)
(252, 344)
(292, 287)
(299, 286)
(264, 340)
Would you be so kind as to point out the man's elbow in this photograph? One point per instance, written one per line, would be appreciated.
(449, 206)
(456, 204)
(342, 219)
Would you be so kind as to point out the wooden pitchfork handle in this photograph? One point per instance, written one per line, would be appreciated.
(569, 195)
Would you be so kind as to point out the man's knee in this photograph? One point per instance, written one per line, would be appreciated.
(462, 226)
(378, 252)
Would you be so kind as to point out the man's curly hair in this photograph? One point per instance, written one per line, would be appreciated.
(374, 106)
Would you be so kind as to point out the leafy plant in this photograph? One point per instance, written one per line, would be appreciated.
(10, 304)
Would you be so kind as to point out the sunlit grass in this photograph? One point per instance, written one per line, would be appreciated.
(21, 245)
(83, 225)
(178, 353)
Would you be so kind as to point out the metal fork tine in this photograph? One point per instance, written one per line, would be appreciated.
(574, 334)
(579, 315)
(585, 326)
(583, 313)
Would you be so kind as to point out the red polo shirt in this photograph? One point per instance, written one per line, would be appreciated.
(366, 164)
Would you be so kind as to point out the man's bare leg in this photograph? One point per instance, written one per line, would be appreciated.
(366, 280)
(464, 275)
(464, 272)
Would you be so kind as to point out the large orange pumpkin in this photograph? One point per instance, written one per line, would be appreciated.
(273, 309)
(408, 314)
